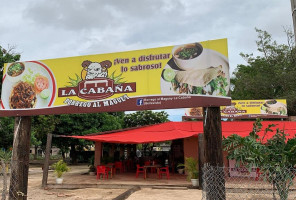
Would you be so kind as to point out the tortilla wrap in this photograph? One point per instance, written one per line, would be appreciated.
(198, 77)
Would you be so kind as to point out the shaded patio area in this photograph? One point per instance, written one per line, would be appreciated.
(78, 177)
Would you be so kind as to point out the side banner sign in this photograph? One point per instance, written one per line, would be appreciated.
(195, 74)
(272, 108)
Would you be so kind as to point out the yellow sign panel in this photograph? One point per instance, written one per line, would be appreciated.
(165, 77)
(249, 109)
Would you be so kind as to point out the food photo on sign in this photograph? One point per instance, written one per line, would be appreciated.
(269, 108)
(28, 85)
(194, 69)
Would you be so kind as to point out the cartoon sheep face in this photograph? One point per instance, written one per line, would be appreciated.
(95, 69)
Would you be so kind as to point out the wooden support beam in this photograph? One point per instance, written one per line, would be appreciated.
(20, 159)
(213, 153)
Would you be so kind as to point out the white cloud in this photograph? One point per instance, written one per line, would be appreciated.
(51, 29)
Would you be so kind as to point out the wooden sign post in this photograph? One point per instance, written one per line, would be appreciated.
(20, 159)
(213, 153)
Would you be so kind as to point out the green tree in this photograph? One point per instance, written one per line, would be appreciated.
(142, 118)
(270, 75)
(41, 126)
(275, 158)
(82, 124)
(6, 129)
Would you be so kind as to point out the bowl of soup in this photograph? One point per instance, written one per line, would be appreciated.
(190, 56)
(15, 71)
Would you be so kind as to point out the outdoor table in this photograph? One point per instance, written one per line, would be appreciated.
(150, 166)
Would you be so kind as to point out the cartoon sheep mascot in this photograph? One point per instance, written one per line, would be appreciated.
(92, 70)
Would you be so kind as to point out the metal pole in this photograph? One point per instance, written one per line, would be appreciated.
(293, 7)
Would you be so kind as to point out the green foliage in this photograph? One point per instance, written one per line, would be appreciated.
(82, 124)
(271, 75)
(5, 155)
(34, 140)
(191, 167)
(275, 158)
(6, 130)
(41, 126)
(60, 168)
(73, 82)
(141, 118)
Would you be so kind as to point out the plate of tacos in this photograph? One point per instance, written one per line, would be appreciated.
(273, 107)
(28, 85)
(209, 78)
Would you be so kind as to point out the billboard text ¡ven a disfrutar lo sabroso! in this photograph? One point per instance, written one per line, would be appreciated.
(189, 75)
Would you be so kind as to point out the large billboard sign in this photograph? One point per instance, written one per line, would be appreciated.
(188, 75)
(247, 109)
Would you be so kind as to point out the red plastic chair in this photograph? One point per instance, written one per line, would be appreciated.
(140, 170)
(118, 165)
(101, 169)
(164, 170)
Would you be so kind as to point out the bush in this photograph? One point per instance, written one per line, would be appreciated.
(60, 168)
(190, 167)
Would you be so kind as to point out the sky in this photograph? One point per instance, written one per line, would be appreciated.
(39, 29)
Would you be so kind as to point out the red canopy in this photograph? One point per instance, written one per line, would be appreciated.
(176, 130)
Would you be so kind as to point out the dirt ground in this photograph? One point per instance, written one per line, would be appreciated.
(95, 193)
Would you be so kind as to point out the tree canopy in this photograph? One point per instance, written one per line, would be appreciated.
(82, 124)
(147, 117)
(271, 75)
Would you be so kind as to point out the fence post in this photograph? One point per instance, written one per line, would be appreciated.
(213, 151)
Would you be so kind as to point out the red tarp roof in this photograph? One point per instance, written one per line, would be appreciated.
(176, 130)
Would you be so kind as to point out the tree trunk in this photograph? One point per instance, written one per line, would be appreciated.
(46, 160)
(293, 7)
(63, 155)
(73, 154)
(213, 153)
(20, 159)
(36, 152)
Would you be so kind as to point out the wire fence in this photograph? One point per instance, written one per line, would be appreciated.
(244, 184)
(7, 182)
